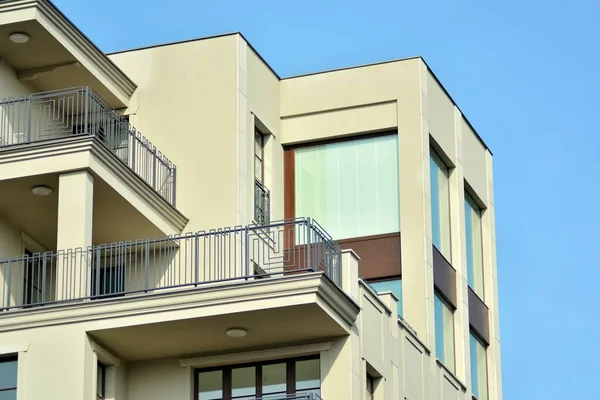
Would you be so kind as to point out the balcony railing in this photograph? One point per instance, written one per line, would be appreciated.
(262, 203)
(182, 261)
(80, 111)
(303, 396)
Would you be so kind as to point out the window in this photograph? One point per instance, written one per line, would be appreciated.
(8, 378)
(101, 381)
(266, 379)
(440, 204)
(444, 331)
(394, 286)
(259, 155)
(261, 193)
(479, 384)
(474, 245)
(349, 187)
(33, 280)
(108, 280)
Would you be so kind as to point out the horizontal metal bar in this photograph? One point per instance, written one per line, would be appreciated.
(181, 261)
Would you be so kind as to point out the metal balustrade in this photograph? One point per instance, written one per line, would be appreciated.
(302, 396)
(80, 111)
(183, 261)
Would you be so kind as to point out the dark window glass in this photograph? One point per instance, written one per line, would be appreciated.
(101, 381)
(266, 380)
(8, 378)
(108, 281)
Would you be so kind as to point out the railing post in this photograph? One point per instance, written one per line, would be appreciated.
(132, 136)
(196, 259)
(28, 130)
(173, 200)
(247, 252)
(97, 272)
(154, 161)
(308, 244)
(86, 109)
(9, 285)
(43, 283)
(147, 266)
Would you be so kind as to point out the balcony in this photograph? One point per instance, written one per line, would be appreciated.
(150, 266)
(79, 112)
(281, 283)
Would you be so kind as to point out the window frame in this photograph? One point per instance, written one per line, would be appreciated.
(7, 359)
(473, 335)
(471, 203)
(381, 253)
(436, 157)
(102, 396)
(227, 381)
(259, 136)
(448, 305)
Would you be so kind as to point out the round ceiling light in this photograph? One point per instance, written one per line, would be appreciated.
(19, 37)
(236, 332)
(41, 190)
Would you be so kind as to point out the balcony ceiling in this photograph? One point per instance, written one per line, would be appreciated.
(57, 55)
(41, 51)
(266, 329)
(114, 218)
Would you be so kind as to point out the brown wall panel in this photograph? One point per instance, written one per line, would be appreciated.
(479, 316)
(379, 254)
(444, 277)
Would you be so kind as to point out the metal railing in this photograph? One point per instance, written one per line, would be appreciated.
(182, 261)
(80, 111)
(262, 203)
(302, 396)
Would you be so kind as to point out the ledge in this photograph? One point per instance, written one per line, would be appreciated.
(85, 152)
(451, 374)
(206, 300)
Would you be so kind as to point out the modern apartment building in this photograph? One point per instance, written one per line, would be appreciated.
(179, 222)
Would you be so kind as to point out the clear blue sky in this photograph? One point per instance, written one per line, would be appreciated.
(526, 74)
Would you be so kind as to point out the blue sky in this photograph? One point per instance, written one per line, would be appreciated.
(526, 75)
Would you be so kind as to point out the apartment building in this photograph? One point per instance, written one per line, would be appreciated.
(179, 222)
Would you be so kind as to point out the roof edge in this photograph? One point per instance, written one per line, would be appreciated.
(457, 106)
(316, 72)
(95, 53)
(197, 39)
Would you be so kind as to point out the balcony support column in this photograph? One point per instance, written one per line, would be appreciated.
(74, 236)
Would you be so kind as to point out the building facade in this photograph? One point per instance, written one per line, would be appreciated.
(179, 222)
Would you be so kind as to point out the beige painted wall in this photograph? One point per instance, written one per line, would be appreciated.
(10, 86)
(259, 106)
(186, 105)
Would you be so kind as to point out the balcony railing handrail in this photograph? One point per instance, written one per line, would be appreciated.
(187, 260)
(303, 396)
(81, 111)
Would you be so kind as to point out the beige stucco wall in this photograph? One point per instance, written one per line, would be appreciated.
(350, 101)
(10, 86)
(259, 106)
(186, 104)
